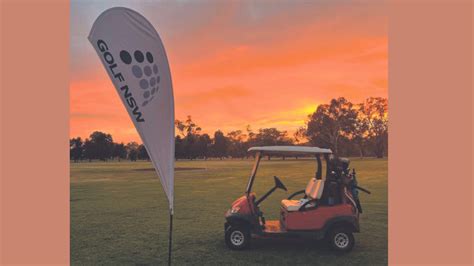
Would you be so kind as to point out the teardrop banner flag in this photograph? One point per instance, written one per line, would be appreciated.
(134, 57)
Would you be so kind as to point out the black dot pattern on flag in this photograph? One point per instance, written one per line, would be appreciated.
(144, 84)
(149, 57)
(146, 94)
(125, 57)
(139, 56)
(147, 101)
(155, 89)
(137, 71)
(145, 71)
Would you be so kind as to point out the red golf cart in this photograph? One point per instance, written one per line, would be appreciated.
(328, 208)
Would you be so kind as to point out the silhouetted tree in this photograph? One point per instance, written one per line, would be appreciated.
(186, 127)
(76, 147)
(219, 147)
(132, 151)
(359, 133)
(120, 152)
(348, 129)
(271, 137)
(142, 153)
(203, 145)
(236, 147)
(300, 135)
(98, 146)
(89, 151)
(375, 115)
(190, 133)
(189, 145)
(331, 121)
(179, 148)
(180, 127)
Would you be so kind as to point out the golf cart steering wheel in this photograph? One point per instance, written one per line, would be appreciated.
(279, 184)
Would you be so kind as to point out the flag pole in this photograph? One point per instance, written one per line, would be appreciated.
(170, 237)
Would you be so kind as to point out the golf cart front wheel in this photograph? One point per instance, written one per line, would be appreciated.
(341, 240)
(237, 237)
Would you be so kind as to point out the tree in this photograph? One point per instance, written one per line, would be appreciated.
(89, 151)
(374, 112)
(190, 133)
(271, 137)
(186, 127)
(76, 147)
(119, 151)
(236, 147)
(219, 146)
(250, 140)
(180, 127)
(99, 145)
(179, 148)
(142, 153)
(331, 121)
(348, 129)
(189, 146)
(250, 133)
(300, 135)
(359, 132)
(203, 145)
(132, 151)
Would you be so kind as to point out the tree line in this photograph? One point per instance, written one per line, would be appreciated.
(347, 129)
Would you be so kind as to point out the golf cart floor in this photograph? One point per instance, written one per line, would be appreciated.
(272, 227)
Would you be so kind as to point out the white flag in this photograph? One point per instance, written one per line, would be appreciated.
(135, 59)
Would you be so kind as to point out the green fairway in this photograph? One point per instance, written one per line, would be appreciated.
(119, 214)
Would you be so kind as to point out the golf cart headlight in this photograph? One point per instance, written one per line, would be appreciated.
(235, 210)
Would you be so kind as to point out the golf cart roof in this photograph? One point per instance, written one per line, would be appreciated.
(291, 149)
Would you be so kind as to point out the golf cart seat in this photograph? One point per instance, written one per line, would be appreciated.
(313, 192)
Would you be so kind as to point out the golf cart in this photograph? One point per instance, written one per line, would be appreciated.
(327, 209)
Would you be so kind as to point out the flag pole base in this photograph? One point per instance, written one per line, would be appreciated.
(170, 237)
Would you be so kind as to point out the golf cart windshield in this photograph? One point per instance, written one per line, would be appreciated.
(290, 150)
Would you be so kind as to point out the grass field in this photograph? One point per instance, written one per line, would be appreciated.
(119, 214)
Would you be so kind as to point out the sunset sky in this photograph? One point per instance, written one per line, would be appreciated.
(263, 63)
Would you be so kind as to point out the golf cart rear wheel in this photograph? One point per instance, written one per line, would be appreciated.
(341, 239)
(237, 237)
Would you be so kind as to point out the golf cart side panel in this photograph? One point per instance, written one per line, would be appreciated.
(243, 212)
(244, 205)
(350, 222)
(313, 219)
(235, 219)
